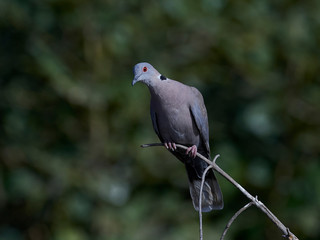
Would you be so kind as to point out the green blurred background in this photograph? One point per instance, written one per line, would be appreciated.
(71, 123)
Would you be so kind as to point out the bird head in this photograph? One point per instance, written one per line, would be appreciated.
(146, 73)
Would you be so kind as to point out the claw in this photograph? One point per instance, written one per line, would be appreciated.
(171, 146)
(192, 151)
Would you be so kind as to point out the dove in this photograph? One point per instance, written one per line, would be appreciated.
(179, 116)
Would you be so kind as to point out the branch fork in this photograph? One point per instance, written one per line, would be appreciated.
(253, 200)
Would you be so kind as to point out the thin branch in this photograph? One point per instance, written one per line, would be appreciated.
(200, 199)
(201, 190)
(287, 233)
(154, 145)
(234, 218)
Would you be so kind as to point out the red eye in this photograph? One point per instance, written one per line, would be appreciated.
(144, 69)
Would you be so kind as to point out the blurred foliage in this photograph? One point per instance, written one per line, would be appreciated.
(71, 124)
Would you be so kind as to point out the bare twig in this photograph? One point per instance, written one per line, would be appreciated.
(234, 218)
(287, 233)
(200, 199)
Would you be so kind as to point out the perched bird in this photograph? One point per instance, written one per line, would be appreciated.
(179, 116)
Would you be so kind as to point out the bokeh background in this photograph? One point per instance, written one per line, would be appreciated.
(71, 123)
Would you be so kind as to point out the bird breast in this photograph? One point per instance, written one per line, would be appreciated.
(175, 121)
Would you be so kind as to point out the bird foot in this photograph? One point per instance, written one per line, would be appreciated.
(171, 146)
(192, 151)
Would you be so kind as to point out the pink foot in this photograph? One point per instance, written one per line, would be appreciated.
(192, 151)
(171, 146)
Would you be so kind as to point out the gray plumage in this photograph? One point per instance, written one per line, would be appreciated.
(179, 116)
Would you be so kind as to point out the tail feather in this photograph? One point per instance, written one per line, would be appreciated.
(211, 194)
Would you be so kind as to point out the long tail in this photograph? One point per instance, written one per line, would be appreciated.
(211, 195)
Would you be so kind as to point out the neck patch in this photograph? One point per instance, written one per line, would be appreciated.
(163, 77)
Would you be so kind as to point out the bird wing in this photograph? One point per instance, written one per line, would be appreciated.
(199, 113)
(155, 123)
